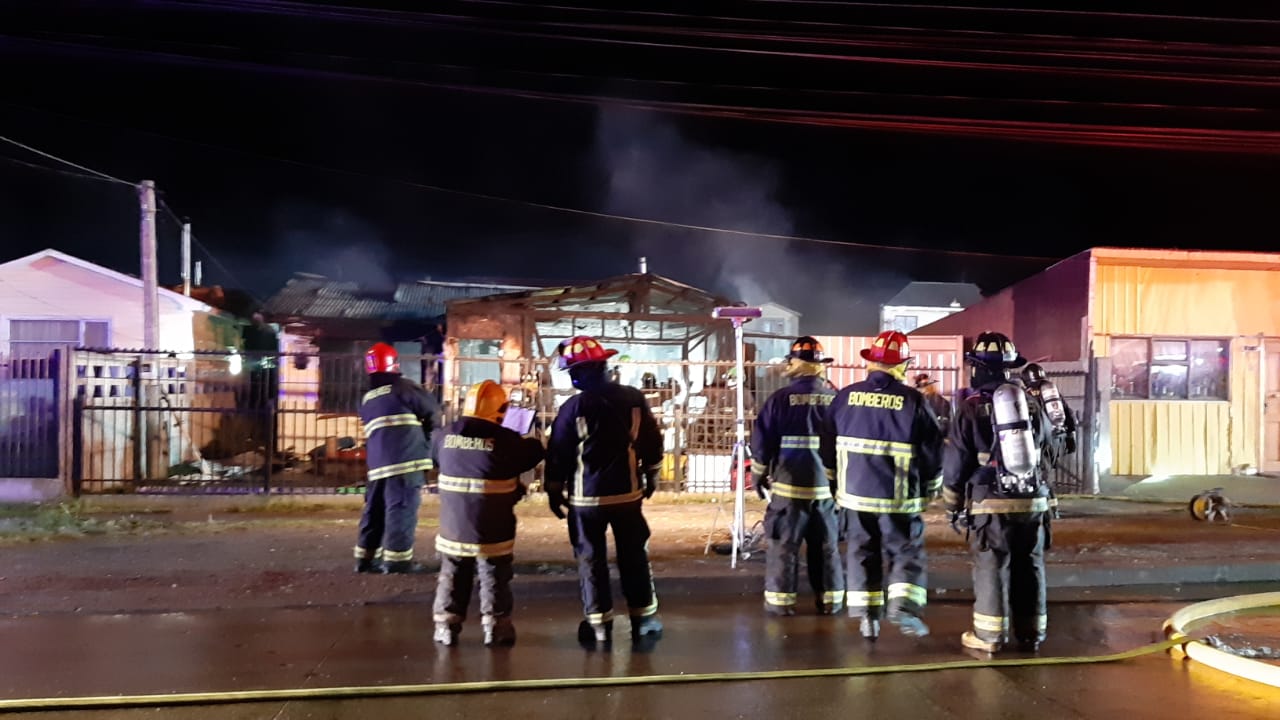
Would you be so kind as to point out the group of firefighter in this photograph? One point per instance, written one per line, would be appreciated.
(858, 464)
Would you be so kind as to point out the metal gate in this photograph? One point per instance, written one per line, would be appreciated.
(29, 417)
(219, 422)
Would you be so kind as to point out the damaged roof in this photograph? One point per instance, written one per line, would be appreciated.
(936, 294)
(316, 296)
(665, 296)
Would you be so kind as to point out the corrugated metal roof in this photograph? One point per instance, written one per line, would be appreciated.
(315, 296)
(936, 294)
(665, 296)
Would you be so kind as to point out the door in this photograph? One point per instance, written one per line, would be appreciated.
(1271, 408)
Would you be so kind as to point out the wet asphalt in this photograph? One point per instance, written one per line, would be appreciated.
(68, 655)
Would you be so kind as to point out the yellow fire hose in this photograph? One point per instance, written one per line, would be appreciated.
(382, 691)
(1176, 629)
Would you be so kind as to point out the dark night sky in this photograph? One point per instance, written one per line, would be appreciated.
(297, 136)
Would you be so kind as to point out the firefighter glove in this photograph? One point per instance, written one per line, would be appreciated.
(650, 484)
(555, 499)
(761, 482)
(955, 517)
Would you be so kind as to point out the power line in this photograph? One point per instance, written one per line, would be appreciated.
(68, 173)
(91, 171)
(533, 204)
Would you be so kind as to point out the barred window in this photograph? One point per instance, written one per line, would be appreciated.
(1169, 368)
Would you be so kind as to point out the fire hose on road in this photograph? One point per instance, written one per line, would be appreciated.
(1177, 628)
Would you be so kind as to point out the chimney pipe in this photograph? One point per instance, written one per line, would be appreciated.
(199, 273)
(644, 265)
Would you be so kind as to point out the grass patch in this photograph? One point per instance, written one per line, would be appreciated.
(63, 519)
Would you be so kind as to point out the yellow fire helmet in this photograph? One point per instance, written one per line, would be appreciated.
(487, 401)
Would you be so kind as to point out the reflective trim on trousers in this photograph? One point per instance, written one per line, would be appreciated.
(801, 492)
(650, 609)
(833, 597)
(475, 550)
(1002, 506)
(397, 555)
(779, 598)
(914, 593)
(386, 471)
(864, 598)
(451, 483)
(363, 554)
(599, 618)
(993, 624)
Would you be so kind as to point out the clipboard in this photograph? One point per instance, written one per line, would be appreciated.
(519, 419)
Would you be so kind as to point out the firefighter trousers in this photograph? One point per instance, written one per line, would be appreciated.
(790, 522)
(390, 518)
(1009, 577)
(587, 528)
(877, 539)
(455, 579)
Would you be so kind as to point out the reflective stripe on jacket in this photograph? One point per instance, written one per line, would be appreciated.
(784, 439)
(398, 417)
(882, 445)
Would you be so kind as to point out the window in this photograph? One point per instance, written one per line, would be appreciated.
(35, 339)
(1169, 369)
(905, 323)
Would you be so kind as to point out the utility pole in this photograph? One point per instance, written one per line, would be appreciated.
(150, 292)
(186, 259)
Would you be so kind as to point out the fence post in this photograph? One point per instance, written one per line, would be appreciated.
(138, 445)
(1100, 458)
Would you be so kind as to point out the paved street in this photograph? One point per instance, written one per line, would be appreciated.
(372, 645)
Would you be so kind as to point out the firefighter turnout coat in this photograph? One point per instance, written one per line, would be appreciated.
(603, 442)
(398, 416)
(480, 464)
(784, 441)
(881, 445)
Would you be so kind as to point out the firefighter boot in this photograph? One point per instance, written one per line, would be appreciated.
(970, 640)
(869, 628)
(909, 624)
(366, 565)
(499, 632)
(592, 635)
(403, 567)
(648, 625)
(447, 633)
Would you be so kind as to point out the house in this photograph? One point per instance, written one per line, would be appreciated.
(51, 300)
(920, 303)
(1180, 350)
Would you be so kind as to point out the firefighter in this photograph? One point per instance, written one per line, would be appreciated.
(398, 416)
(1062, 421)
(603, 458)
(882, 447)
(994, 484)
(784, 460)
(480, 464)
(938, 404)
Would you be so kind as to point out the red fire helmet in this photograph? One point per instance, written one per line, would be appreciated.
(889, 348)
(582, 349)
(381, 358)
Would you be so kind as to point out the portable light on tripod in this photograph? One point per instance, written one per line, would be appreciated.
(739, 316)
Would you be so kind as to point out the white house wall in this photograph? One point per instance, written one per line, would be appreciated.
(51, 289)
